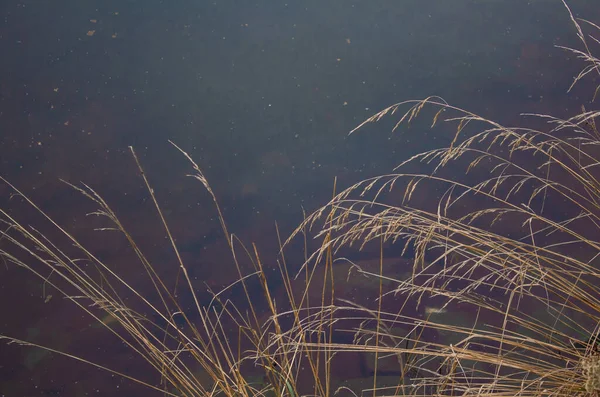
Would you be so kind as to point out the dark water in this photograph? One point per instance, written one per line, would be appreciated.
(262, 95)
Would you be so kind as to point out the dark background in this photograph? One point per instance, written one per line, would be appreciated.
(262, 95)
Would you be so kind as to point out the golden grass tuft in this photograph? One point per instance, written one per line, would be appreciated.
(511, 240)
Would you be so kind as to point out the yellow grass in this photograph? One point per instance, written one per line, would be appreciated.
(510, 244)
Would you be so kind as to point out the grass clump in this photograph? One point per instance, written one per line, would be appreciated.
(510, 239)
(502, 298)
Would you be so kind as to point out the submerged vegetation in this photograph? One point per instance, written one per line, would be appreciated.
(502, 299)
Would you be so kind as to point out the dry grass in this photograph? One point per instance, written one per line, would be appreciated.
(175, 352)
(511, 240)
